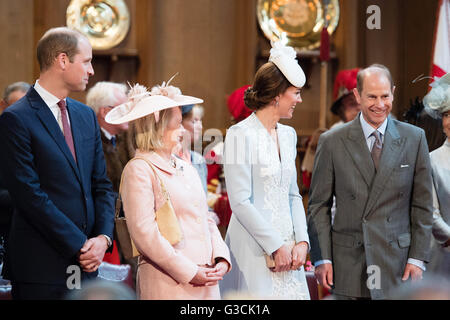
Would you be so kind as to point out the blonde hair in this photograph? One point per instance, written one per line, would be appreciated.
(147, 134)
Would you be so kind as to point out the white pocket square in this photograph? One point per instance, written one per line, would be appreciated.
(404, 165)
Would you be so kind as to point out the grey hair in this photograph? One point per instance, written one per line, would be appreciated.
(105, 94)
(362, 74)
(16, 86)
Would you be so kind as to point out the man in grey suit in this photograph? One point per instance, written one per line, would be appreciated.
(379, 171)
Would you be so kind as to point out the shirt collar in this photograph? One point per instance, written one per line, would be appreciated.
(368, 129)
(447, 143)
(108, 135)
(159, 162)
(49, 99)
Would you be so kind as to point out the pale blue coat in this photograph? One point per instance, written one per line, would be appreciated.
(267, 209)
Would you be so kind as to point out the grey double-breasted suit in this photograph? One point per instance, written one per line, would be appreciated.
(382, 218)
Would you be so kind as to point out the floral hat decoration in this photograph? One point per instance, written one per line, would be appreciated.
(142, 102)
(285, 58)
(437, 100)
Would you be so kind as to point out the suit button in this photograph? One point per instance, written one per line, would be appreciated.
(358, 243)
(389, 219)
(353, 197)
(401, 194)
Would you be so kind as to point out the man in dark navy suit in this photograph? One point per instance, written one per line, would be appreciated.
(53, 166)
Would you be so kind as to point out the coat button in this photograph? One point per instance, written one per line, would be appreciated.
(389, 219)
(353, 197)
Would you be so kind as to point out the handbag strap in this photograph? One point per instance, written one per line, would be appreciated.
(163, 188)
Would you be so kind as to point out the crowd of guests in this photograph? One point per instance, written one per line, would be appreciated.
(377, 217)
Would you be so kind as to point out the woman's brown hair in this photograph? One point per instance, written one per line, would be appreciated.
(269, 82)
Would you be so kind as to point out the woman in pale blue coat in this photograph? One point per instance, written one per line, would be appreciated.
(259, 163)
(437, 104)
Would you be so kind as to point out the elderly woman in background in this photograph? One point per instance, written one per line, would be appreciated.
(191, 268)
(267, 233)
(192, 122)
(437, 104)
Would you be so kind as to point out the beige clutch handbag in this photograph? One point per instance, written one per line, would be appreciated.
(166, 219)
(270, 262)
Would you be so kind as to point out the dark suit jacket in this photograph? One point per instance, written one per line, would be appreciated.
(58, 203)
(116, 158)
(382, 218)
(6, 209)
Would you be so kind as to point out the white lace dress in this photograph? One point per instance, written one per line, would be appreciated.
(267, 210)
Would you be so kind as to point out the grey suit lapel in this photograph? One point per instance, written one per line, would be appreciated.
(393, 147)
(357, 147)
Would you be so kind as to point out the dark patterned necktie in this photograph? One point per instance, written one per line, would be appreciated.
(376, 149)
(66, 128)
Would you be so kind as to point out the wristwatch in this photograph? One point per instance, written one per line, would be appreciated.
(108, 240)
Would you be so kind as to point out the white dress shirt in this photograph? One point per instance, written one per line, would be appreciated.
(108, 135)
(52, 102)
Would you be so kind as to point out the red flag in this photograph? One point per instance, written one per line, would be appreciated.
(440, 64)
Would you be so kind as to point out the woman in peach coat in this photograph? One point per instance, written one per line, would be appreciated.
(192, 268)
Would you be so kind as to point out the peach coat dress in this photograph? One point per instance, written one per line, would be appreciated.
(164, 271)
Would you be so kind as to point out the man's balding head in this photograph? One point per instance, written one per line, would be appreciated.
(374, 68)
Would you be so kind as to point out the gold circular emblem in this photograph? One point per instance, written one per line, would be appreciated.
(104, 22)
(299, 21)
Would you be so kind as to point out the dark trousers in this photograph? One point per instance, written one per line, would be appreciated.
(341, 297)
(37, 291)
